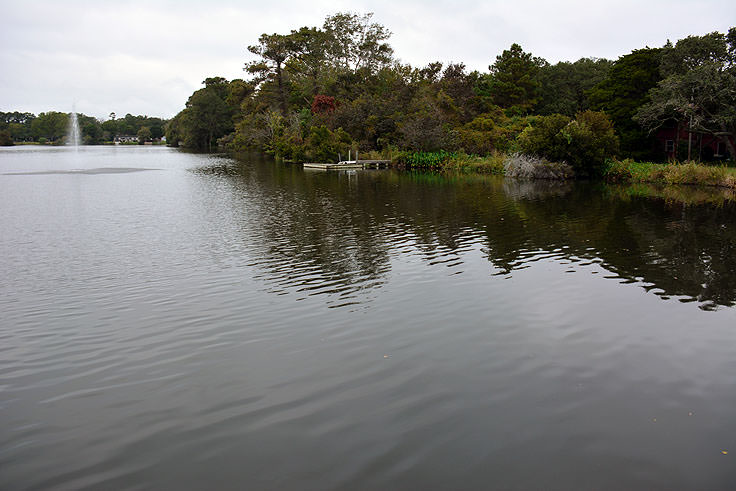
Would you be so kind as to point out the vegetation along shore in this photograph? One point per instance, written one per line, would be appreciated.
(319, 94)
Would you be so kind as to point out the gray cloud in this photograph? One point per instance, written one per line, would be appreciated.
(147, 57)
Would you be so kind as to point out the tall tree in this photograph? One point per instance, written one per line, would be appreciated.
(565, 85)
(354, 42)
(514, 81)
(699, 87)
(623, 91)
(308, 49)
(51, 125)
(273, 51)
(207, 115)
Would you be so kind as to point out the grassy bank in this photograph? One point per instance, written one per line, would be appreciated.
(472, 164)
(453, 162)
(616, 171)
(672, 173)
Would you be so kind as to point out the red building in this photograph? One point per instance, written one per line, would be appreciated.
(704, 146)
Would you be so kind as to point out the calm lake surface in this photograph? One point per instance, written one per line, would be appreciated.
(176, 321)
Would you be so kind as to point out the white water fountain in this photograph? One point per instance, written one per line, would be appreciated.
(73, 134)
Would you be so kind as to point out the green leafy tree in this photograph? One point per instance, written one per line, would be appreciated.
(51, 126)
(514, 81)
(91, 129)
(144, 135)
(19, 131)
(353, 42)
(324, 145)
(584, 142)
(565, 85)
(206, 118)
(308, 61)
(699, 87)
(6, 139)
(18, 124)
(273, 51)
(624, 90)
(174, 130)
(111, 128)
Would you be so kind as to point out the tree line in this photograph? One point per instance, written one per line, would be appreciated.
(52, 127)
(316, 92)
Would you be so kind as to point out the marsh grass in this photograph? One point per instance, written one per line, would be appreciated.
(692, 173)
(474, 164)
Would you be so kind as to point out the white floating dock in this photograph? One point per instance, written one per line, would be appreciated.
(348, 164)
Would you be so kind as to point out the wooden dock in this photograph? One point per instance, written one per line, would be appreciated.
(349, 164)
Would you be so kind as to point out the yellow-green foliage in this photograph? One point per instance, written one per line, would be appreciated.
(490, 164)
(673, 173)
(490, 132)
(453, 162)
(584, 142)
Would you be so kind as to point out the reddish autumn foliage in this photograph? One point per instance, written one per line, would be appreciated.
(323, 104)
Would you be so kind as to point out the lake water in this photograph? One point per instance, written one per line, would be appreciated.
(175, 321)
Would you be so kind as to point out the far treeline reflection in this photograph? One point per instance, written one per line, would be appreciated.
(347, 225)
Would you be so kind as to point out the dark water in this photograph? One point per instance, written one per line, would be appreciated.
(206, 324)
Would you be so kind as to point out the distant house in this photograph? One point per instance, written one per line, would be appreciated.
(704, 145)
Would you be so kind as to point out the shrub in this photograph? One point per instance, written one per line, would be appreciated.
(545, 138)
(490, 132)
(5, 139)
(585, 142)
(525, 166)
(425, 160)
(324, 145)
(323, 104)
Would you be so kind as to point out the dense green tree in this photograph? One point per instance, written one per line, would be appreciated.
(584, 142)
(699, 87)
(565, 85)
(20, 132)
(313, 83)
(353, 42)
(514, 81)
(308, 49)
(144, 135)
(18, 124)
(273, 50)
(425, 127)
(110, 128)
(207, 117)
(174, 130)
(51, 125)
(623, 91)
(6, 139)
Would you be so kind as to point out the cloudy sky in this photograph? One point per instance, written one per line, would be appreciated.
(147, 57)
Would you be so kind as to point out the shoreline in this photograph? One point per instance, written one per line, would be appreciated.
(616, 171)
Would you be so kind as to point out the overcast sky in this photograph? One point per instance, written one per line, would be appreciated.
(147, 57)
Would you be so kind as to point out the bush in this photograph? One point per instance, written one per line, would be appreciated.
(425, 160)
(490, 132)
(524, 166)
(324, 145)
(5, 139)
(585, 142)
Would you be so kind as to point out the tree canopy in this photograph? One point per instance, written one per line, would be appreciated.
(699, 86)
(320, 91)
(624, 90)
